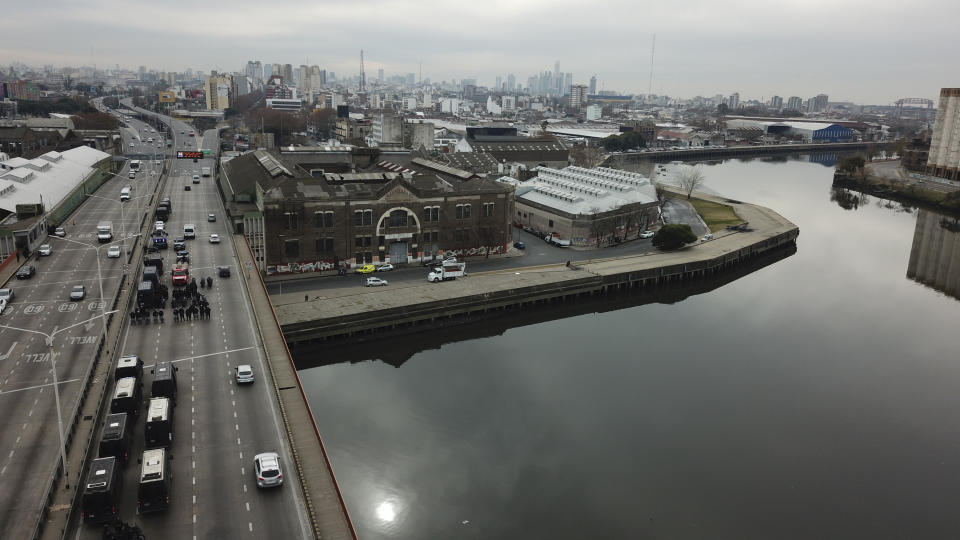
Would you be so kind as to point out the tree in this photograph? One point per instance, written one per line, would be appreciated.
(673, 236)
(723, 108)
(690, 178)
(661, 193)
(851, 164)
(587, 156)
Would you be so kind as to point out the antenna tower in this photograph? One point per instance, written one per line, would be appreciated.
(363, 76)
(653, 49)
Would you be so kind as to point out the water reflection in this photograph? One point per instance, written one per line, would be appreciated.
(848, 199)
(935, 253)
(404, 346)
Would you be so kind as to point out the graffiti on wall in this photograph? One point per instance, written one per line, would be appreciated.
(473, 252)
(299, 268)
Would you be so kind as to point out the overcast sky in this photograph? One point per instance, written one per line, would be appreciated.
(870, 52)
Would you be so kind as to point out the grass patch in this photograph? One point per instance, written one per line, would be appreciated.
(717, 216)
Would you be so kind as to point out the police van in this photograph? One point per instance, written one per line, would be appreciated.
(129, 366)
(101, 493)
(115, 438)
(153, 493)
(164, 381)
(159, 427)
(126, 397)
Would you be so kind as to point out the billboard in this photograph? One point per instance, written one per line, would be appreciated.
(185, 154)
(166, 96)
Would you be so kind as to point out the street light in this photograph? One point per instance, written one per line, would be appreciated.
(56, 387)
(123, 223)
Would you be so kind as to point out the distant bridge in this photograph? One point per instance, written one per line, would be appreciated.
(914, 103)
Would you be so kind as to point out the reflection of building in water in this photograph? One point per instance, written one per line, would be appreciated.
(935, 255)
(827, 159)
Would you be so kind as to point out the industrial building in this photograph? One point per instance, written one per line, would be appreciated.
(589, 207)
(944, 157)
(808, 131)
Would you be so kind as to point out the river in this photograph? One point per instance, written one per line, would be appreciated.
(811, 398)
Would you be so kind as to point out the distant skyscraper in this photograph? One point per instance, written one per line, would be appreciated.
(733, 101)
(944, 157)
(794, 103)
(593, 84)
(380, 74)
(776, 102)
(288, 73)
(511, 82)
(567, 81)
(499, 85)
(254, 70)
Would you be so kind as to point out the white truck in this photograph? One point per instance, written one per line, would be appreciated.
(205, 171)
(556, 240)
(447, 271)
(104, 231)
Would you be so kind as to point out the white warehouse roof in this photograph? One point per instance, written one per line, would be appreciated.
(576, 190)
(50, 177)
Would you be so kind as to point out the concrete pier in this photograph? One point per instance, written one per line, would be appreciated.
(346, 313)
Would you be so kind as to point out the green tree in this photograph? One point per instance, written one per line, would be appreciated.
(673, 236)
(851, 164)
(723, 108)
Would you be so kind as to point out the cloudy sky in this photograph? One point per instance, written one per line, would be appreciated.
(864, 51)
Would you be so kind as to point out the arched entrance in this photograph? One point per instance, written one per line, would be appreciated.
(399, 229)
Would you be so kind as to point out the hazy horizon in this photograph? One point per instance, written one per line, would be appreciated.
(865, 52)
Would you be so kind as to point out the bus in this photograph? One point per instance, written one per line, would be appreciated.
(134, 164)
(115, 438)
(153, 493)
(159, 427)
(101, 493)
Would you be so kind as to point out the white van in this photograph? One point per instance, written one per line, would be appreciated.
(125, 194)
(189, 231)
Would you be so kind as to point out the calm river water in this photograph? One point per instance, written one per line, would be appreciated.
(816, 397)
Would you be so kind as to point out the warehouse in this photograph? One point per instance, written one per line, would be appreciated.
(809, 131)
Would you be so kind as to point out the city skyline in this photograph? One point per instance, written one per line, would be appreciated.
(701, 49)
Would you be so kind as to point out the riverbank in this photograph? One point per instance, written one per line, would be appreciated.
(912, 192)
(348, 312)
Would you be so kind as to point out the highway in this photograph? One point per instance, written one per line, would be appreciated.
(218, 425)
(29, 445)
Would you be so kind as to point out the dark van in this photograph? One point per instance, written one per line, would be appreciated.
(115, 438)
(153, 493)
(159, 427)
(126, 397)
(101, 493)
(129, 366)
(164, 381)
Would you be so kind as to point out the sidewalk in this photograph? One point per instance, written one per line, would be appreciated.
(328, 513)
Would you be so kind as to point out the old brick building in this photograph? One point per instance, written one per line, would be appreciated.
(309, 211)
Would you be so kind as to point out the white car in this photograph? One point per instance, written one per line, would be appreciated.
(59, 232)
(385, 267)
(113, 252)
(214, 238)
(44, 250)
(647, 234)
(266, 467)
(375, 282)
(158, 225)
(244, 374)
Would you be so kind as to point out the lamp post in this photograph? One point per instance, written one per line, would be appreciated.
(56, 384)
(123, 225)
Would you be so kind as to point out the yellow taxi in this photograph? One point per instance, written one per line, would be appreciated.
(366, 269)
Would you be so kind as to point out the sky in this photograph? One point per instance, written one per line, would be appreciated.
(869, 52)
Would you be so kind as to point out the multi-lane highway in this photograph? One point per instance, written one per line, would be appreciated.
(218, 425)
(29, 444)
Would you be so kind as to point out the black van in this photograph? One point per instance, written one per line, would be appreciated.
(159, 427)
(153, 493)
(164, 381)
(115, 438)
(126, 397)
(129, 366)
(101, 493)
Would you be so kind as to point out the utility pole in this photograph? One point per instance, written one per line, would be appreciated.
(363, 77)
(653, 49)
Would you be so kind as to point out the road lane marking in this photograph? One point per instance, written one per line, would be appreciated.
(40, 386)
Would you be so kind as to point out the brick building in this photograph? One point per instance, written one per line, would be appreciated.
(313, 210)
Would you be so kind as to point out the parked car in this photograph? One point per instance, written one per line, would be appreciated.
(6, 295)
(214, 238)
(519, 245)
(244, 374)
(647, 234)
(26, 272)
(44, 250)
(385, 267)
(375, 282)
(77, 292)
(59, 232)
(113, 252)
(707, 237)
(266, 467)
(366, 269)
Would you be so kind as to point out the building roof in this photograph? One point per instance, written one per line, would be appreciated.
(576, 190)
(48, 178)
(525, 151)
(473, 161)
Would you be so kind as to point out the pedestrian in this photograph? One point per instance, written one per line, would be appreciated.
(306, 297)
(18, 255)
